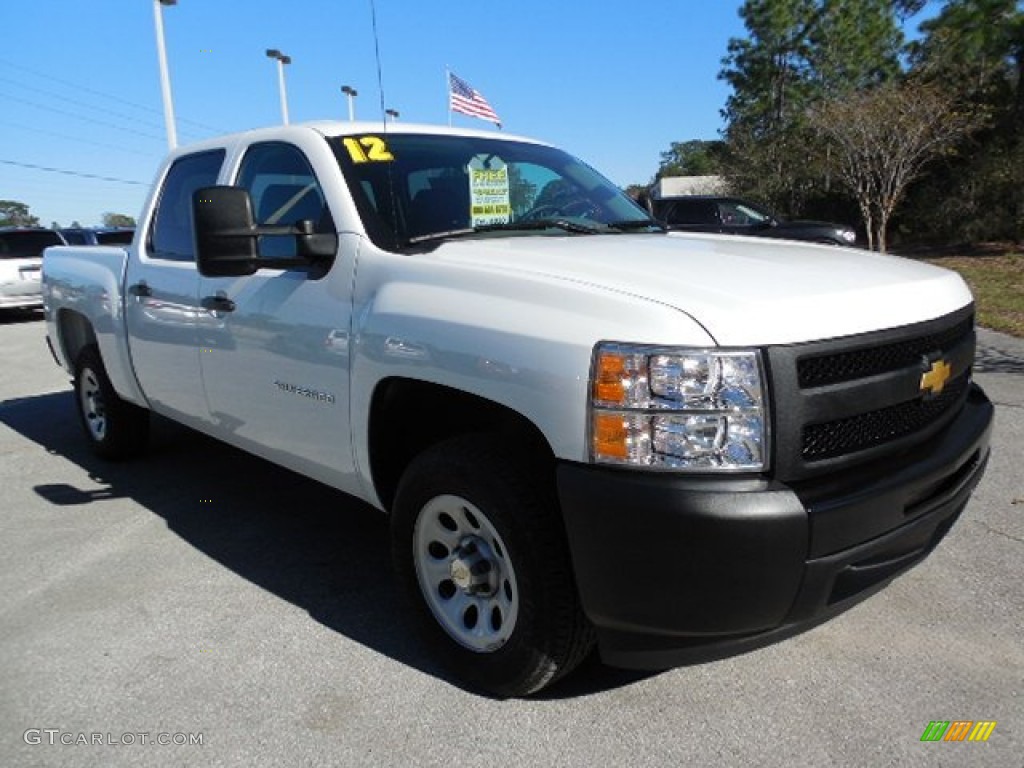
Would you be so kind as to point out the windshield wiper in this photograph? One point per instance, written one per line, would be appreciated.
(440, 235)
(534, 224)
(630, 224)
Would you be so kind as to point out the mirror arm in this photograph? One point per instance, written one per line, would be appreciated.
(258, 231)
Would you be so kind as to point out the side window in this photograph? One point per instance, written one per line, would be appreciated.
(283, 191)
(736, 215)
(693, 212)
(170, 234)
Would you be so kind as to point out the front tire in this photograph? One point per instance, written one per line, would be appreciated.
(480, 552)
(115, 428)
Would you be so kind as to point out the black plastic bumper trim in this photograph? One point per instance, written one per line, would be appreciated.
(676, 570)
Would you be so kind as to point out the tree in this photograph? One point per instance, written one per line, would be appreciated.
(975, 49)
(797, 53)
(117, 220)
(854, 44)
(884, 137)
(692, 158)
(15, 214)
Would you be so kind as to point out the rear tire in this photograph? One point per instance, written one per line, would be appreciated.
(115, 428)
(481, 555)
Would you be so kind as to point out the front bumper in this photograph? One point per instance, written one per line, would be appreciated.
(674, 569)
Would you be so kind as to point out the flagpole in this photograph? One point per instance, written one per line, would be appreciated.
(448, 93)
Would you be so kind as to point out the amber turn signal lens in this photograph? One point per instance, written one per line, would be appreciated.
(611, 436)
(608, 379)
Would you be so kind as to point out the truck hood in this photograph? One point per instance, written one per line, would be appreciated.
(743, 291)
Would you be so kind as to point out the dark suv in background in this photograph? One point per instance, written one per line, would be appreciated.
(98, 235)
(733, 216)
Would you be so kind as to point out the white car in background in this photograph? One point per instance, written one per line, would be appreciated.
(21, 259)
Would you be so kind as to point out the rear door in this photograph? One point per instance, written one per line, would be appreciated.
(164, 320)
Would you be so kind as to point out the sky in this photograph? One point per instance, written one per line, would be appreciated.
(612, 82)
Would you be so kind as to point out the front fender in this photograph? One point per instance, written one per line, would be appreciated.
(523, 341)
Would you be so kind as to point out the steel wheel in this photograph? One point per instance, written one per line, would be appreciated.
(467, 580)
(94, 412)
(480, 553)
(116, 429)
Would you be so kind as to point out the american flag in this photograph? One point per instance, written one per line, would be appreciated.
(462, 97)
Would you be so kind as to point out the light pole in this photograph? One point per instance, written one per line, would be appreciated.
(351, 92)
(393, 114)
(165, 78)
(273, 53)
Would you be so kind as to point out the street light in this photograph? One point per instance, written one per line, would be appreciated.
(165, 78)
(351, 92)
(393, 113)
(273, 53)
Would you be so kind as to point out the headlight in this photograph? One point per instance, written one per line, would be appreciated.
(848, 235)
(683, 409)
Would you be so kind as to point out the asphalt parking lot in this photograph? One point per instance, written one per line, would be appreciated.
(203, 594)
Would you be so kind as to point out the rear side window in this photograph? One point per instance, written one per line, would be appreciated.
(23, 245)
(75, 238)
(170, 234)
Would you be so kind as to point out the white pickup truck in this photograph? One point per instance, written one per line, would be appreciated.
(585, 430)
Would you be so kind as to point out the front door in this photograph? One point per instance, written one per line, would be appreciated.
(276, 367)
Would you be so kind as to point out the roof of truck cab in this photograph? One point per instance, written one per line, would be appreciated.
(330, 128)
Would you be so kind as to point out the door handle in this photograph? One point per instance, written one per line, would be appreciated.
(140, 289)
(218, 303)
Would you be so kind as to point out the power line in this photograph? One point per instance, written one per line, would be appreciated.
(115, 126)
(87, 89)
(72, 173)
(55, 134)
(69, 100)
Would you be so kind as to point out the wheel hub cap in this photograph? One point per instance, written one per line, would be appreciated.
(472, 569)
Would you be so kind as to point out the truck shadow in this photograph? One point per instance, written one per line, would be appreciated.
(302, 541)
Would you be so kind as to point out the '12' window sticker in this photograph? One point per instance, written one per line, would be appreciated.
(368, 149)
(489, 198)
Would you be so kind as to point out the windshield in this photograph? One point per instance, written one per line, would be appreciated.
(416, 188)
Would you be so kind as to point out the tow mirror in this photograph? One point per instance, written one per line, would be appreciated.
(227, 237)
(224, 231)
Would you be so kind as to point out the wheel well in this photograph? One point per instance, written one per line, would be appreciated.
(75, 332)
(409, 416)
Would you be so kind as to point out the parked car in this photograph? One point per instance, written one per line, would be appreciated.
(98, 235)
(21, 259)
(734, 216)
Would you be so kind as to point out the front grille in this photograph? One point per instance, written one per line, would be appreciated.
(849, 400)
(865, 430)
(870, 361)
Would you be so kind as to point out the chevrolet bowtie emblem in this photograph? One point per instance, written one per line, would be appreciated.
(935, 378)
